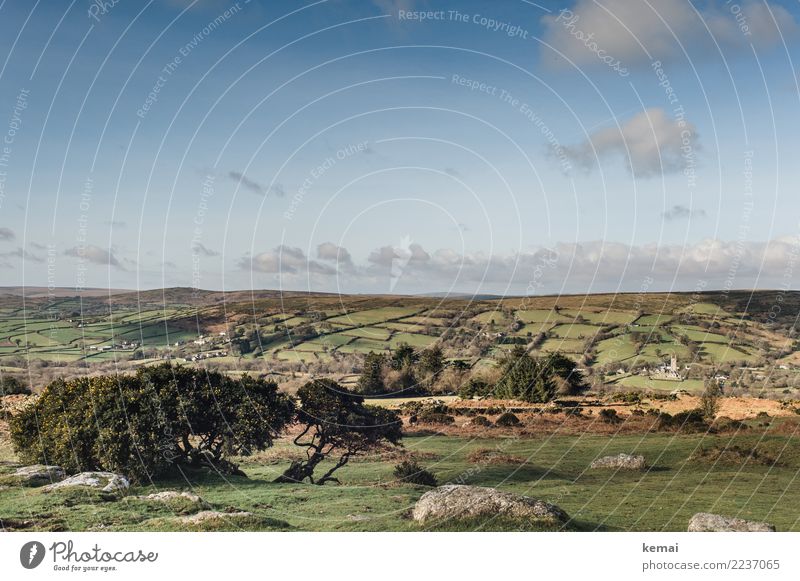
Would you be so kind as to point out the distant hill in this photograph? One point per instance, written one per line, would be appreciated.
(58, 292)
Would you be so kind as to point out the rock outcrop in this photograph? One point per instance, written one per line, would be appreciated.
(39, 474)
(104, 481)
(458, 501)
(704, 522)
(620, 462)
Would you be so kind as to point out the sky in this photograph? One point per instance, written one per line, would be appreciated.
(400, 146)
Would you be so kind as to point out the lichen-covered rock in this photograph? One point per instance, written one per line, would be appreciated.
(458, 501)
(38, 474)
(621, 462)
(104, 481)
(704, 522)
(175, 497)
(212, 515)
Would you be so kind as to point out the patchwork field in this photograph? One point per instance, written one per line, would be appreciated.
(718, 334)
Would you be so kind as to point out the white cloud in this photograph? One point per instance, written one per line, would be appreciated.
(332, 252)
(627, 31)
(95, 255)
(285, 260)
(650, 142)
(6, 234)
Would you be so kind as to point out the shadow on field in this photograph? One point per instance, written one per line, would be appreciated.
(505, 474)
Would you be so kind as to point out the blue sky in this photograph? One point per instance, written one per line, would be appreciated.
(400, 146)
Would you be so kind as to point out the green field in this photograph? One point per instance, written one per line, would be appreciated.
(575, 331)
(553, 469)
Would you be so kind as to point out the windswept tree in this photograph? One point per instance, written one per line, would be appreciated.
(336, 425)
(144, 424)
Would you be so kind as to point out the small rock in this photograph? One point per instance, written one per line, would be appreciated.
(459, 501)
(105, 481)
(40, 474)
(210, 515)
(704, 522)
(621, 461)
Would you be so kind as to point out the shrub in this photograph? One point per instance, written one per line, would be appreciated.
(429, 416)
(726, 424)
(10, 385)
(507, 419)
(143, 424)
(481, 421)
(411, 472)
(632, 397)
(609, 416)
(475, 387)
(709, 401)
(687, 421)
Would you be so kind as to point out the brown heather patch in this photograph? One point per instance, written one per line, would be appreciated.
(734, 456)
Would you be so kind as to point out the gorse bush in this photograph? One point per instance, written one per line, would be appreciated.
(507, 419)
(481, 421)
(609, 416)
(10, 385)
(144, 424)
(411, 472)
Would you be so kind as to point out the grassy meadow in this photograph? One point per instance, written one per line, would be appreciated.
(553, 468)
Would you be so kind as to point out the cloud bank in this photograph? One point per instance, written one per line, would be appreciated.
(593, 266)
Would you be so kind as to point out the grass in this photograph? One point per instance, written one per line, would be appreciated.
(564, 345)
(555, 470)
(654, 320)
(615, 349)
(419, 341)
(725, 353)
(541, 316)
(375, 333)
(372, 316)
(693, 386)
(601, 317)
(575, 331)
